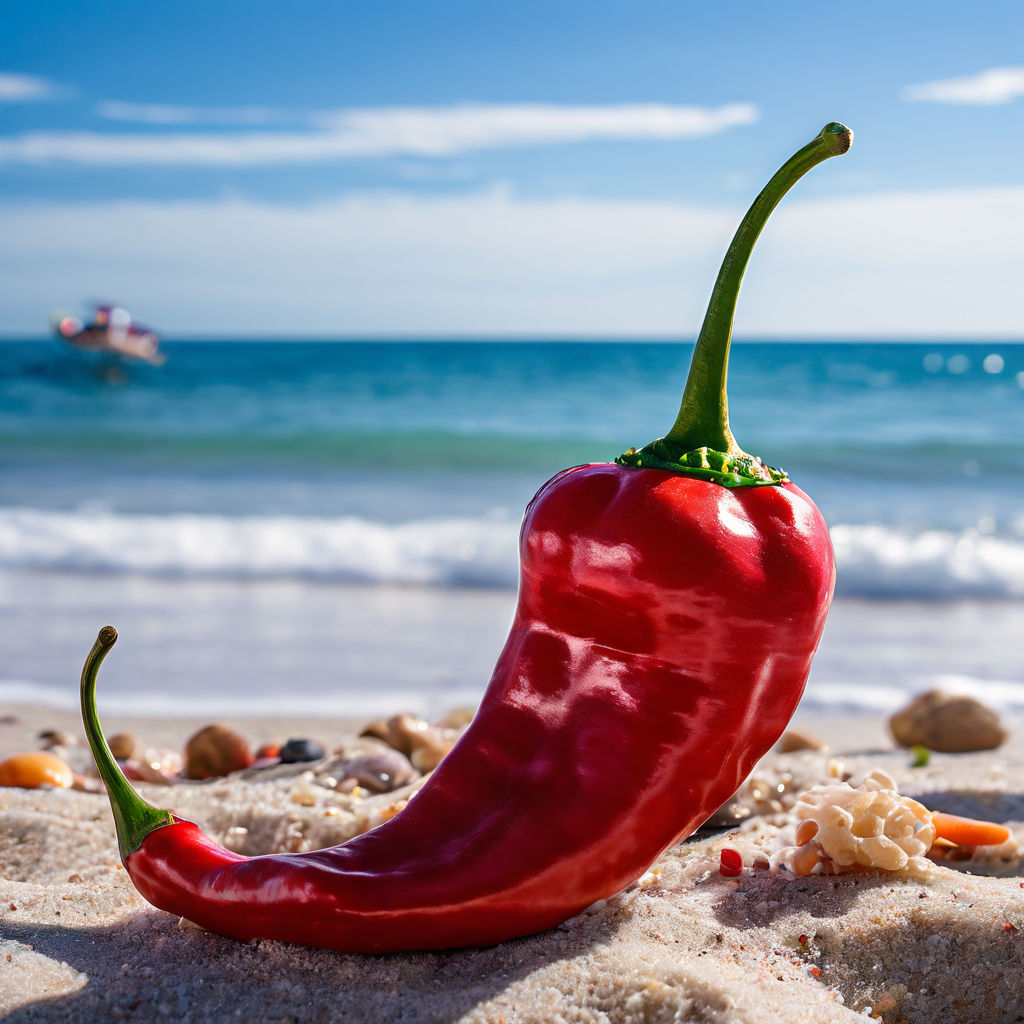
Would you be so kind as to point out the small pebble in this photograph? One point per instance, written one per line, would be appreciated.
(946, 722)
(296, 751)
(215, 751)
(50, 738)
(126, 746)
(800, 739)
(38, 768)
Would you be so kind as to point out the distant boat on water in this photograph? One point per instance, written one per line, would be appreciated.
(112, 332)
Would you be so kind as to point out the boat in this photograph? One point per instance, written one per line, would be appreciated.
(111, 332)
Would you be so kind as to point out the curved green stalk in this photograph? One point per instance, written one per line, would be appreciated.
(700, 442)
(134, 818)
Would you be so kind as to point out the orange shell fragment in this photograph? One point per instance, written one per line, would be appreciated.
(35, 769)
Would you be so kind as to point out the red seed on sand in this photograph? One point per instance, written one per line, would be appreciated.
(730, 863)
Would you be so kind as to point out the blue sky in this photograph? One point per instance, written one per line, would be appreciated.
(474, 169)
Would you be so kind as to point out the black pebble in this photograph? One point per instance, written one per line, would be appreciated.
(295, 751)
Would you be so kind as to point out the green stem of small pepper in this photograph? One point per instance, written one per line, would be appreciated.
(134, 818)
(700, 442)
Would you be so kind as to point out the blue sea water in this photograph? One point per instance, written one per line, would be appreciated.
(335, 522)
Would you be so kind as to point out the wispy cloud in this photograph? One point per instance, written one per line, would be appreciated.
(17, 88)
(442, 131)
(493, 262)
(486, 261)
(389, 131)
(168, 114)
(987, 88)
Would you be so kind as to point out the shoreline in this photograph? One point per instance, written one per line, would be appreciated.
(20, 725)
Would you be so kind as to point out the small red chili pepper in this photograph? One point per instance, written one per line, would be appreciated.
(669, 607)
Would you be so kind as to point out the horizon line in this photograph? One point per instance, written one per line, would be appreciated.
(553, 337)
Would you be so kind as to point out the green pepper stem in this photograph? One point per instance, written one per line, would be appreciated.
(703, 420)
(134, 818)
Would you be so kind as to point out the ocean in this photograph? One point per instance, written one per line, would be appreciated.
(330, 527)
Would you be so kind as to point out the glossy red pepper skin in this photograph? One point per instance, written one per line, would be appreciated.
(662, 639)
(669, 608)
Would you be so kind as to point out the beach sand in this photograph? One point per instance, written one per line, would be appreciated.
(683, 944)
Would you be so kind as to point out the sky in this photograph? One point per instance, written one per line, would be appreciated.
(458, 169)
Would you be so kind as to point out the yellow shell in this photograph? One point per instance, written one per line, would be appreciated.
(39, 768)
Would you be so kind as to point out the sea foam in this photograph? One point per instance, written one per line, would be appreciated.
(429, 552)
(875, 561)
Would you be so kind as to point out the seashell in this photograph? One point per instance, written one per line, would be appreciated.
(401, 731)
(378, 730)
(426, 758)
(424, 744)
(215, 751)
(34, 770)
(373, 765)
(947, 722)
(383, 772)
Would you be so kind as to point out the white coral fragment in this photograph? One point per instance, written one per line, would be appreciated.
(871, 825)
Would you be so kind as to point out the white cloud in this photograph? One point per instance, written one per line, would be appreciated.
(996, 85)
(445, 130)
(493, 263)
(164, 114)
(375, 262)
(17, 88)
(917, 264)
(349, 134)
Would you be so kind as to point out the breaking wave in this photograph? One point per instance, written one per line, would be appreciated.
(875, 561)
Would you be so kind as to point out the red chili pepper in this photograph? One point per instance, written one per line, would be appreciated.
(669, 607)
